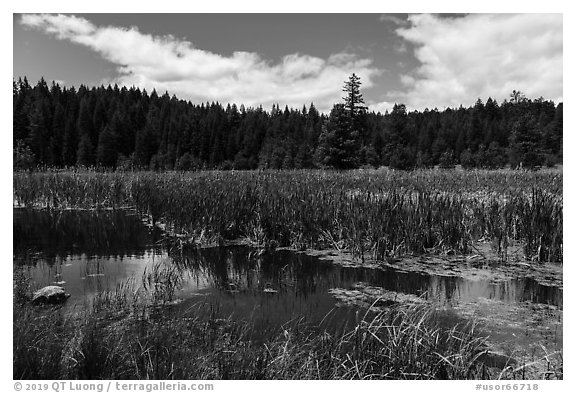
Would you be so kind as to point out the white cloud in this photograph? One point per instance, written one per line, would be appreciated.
(381, 106)
(481, 56)
(167, 63)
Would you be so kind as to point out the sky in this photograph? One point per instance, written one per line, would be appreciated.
(421, 60)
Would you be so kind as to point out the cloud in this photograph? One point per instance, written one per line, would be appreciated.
(400, 47)
(394, 19)
(170, 64)
(480, 56)
(381, 106)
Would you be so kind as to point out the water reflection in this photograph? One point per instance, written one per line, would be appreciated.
(89, 252)
(60, 233)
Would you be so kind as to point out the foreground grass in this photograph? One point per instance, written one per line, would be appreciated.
(377, 213)
(133, 333)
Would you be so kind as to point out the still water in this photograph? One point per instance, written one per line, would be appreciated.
(88, 252)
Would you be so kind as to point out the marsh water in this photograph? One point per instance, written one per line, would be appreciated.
(87, 252)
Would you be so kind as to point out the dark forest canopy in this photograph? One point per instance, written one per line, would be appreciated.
(127, 128)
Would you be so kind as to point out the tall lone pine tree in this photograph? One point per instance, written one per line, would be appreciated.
(340, 142)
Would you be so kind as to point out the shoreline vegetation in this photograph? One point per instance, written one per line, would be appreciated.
(382, 213)
(133, 332)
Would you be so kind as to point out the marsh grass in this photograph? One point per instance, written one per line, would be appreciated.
(117, 340)
(160, 282)
(137, 332)
(376, 213)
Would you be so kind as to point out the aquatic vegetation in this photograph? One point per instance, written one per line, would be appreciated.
(372, 213)
(376, 298)
(161, 282)
(140, 330)
(120, 337)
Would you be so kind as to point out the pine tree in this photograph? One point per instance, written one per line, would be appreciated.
(355, 109)
(70, 142)
(338, 147)
(398, 154)
(107, 150)
(553, 133)
(303, 157)
(525, 143)
(21, 108)
(38, 136)
(99, 120)
(85, 155)
(353, 101)
(340, 142)
(57, 136)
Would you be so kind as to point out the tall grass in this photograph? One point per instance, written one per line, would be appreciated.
(121, 337)
(377, 213)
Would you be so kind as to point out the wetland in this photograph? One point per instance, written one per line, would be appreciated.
(142, 279)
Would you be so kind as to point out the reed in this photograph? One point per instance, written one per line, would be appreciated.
(376, 212)
(118, 340)
(135, 332)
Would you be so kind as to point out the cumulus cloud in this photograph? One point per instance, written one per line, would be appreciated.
(481, 56)
(168, 63)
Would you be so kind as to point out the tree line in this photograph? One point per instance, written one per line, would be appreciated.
(128, 128)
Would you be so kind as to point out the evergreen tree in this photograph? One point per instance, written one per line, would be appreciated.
(398, 154)
(99, 120)
(355, 109)
(107, 150)
(39, 134)
(337, 147)
(70, 143)
(57, 137)
(85, 126)
(21, 109)
(304, 158)
(146, 145)
(552, 136)
(353, 101)
(526, 143)
(85, 155)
